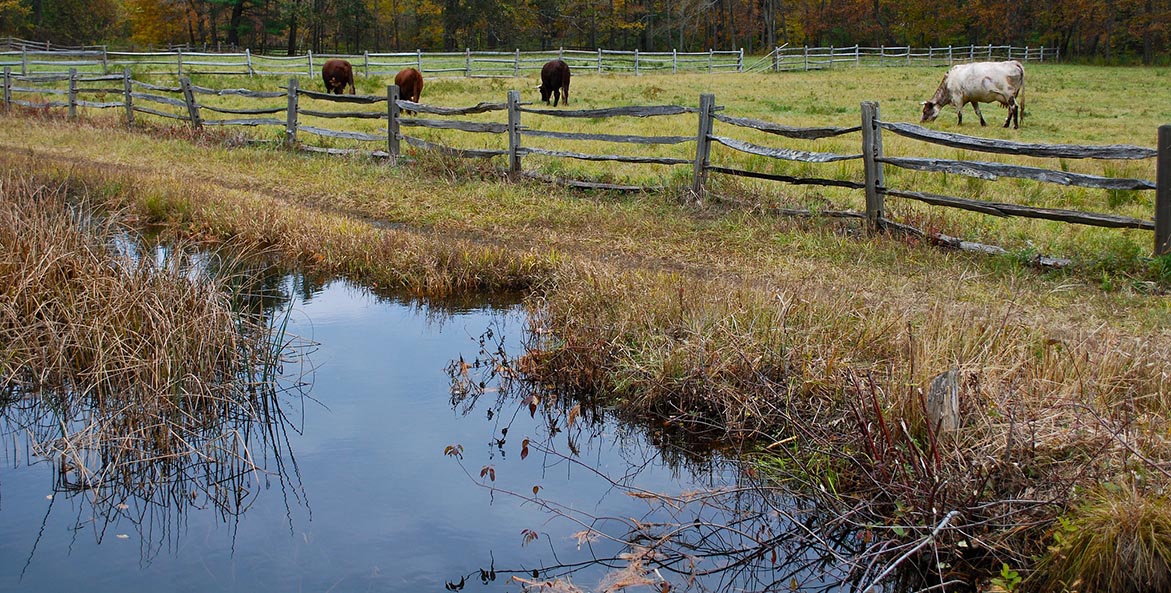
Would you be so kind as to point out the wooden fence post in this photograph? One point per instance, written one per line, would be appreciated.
(127, 97)
(711, 53)
(561, 53)
(7, 89)
(248, 60)
(674, 61)
(192, 106)
(516, 63)
(949, 56)
(419, 60)
(636, 61)
(23, 61)
(392, 113)
(871, 152)
(310, 54)
(807, 58)
(740, 61)
(366, 64)
(291, 119)
(105, 61)
(468, 62)
(857, 55)
(703, 146)
(514, 134)
(1163, 193)
(599, 60)
(180, 58)
(72, 94)
(776, 59)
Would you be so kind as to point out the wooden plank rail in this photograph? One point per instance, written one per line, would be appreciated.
(787, 154)
(465, 126)
(433, 110)
(367, 99)
(606, 157)
(235, 111)
(159, 99)
(631, 111)
(996, 145)
(788, 178)
(1003, 209)
(258, 121)
(141, 109)
(342, 114)
(458, 152)
(787, 131)
(240, 93)
(340, 134)
(993, 171)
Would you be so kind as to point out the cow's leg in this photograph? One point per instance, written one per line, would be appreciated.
(1014, 116)
(976, 108)
(566, 91)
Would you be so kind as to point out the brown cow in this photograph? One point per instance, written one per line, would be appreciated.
(410, 85)
(555, 81)
(337, 74)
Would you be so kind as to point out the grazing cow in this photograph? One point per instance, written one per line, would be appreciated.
(981, 82)
(337, 74)
(410, 85)
(555, 81)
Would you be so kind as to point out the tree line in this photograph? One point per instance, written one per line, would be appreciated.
(1110, 30)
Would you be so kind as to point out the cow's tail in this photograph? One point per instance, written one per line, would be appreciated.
(1020, 98)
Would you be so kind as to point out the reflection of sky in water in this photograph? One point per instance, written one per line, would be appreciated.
(387, 510)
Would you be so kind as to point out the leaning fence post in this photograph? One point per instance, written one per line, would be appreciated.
(291, 120)
(7, 89)
(189, 99)
(514, 134)
(703, 146)
(1163, 193)
(72, 94)
(392, 113)
(127, 96)
(248, 60)
(871, 153)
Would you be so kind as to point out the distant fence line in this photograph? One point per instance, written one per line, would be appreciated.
(184, 98)
(42, 58)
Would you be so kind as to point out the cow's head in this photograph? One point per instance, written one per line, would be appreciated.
(546, 92)
(930, 111)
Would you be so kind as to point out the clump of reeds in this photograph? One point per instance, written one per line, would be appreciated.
(137, 375)
(1117, 540)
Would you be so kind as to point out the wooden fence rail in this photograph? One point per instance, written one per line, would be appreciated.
(186, 106)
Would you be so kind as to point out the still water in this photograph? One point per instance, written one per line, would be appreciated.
(365, 498)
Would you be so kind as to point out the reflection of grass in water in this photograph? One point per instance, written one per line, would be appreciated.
(142, 380)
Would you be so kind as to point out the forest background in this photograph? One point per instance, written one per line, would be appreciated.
(1110, 31)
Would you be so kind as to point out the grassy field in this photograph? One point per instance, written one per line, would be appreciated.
(766, 327)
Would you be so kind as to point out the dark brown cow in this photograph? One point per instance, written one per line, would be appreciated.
(410, 85)
(555, 81)
(337, 74)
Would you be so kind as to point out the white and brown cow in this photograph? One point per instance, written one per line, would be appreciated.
(981, 82)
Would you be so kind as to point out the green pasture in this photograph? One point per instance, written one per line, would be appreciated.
(1063, 104)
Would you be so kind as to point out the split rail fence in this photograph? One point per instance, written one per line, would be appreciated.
(185, 105)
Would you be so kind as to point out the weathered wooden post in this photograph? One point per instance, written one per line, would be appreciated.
(366, 64)
(105, 61)
(807, 58)
(127, 96)
(636, 61)
(7, 89)
(392, 113)
(740, 61)
(857, 55)
(943, 402)
(72, 96)
(1163, 193)
(674, 61)
(514, 134)
(192, 106)
(711, 54)
(291, 119)
(468, 62)
(949, 56)
(599, 60)
(248, 61)
(776, 59)
(871, 152)
(180, 59)
(516, 63)
(703, 146)
(419, 60)
(561, 53)
(23, 61)
(310, 55)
